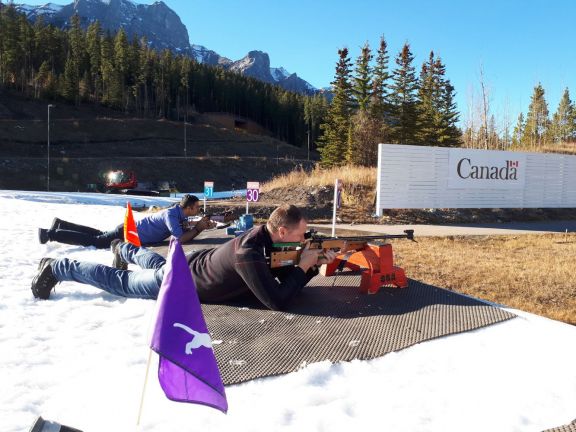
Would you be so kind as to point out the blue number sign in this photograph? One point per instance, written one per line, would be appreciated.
(208, 189)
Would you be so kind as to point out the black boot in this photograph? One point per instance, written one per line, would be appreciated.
(45, 280)
(43, 235)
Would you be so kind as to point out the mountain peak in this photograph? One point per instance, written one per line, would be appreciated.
(255, 64)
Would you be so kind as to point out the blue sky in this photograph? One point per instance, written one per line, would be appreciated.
(517, 43)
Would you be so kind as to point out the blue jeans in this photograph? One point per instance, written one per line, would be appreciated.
(143, 283)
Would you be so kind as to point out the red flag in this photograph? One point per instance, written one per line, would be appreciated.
(130, 231)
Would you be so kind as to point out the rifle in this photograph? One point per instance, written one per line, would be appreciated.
(222, 218)
(288, 254)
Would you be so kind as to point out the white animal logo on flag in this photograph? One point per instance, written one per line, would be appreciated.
(198, 339)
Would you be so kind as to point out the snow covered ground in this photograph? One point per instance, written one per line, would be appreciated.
(80, 359)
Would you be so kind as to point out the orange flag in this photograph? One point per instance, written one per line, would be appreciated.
(130, 231)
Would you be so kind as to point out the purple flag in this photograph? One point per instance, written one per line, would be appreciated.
(188, 371)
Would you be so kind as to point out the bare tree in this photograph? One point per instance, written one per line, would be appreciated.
(485, 107)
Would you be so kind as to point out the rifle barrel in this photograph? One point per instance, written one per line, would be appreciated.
(408, 234)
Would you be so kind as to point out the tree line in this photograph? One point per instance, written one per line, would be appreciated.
(371, 105)
(93, 66)
(537, 130)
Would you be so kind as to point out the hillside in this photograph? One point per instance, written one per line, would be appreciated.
(87, 141)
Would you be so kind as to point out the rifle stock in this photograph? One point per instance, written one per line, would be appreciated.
(288, 254)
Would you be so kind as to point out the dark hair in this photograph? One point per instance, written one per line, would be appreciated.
(188, 201)
(287, 215)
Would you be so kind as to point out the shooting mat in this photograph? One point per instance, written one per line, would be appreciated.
(332, 320)
(336, 323)
(566, 428)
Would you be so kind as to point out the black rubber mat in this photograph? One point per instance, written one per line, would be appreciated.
(566, 428)
(332, 320)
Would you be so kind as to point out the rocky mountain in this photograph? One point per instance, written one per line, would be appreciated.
(160, 25)
(257, 65)
(163, 29)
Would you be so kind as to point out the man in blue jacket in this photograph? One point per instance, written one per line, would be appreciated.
(151, 229)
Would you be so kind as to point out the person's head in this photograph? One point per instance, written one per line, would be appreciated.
(287, 224)
(190, 205)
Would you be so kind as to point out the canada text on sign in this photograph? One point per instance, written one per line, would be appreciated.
(481, 169)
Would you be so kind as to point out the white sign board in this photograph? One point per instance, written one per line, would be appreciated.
(252, 191)
(439, 177)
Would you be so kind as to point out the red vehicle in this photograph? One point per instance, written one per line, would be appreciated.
(116, 180)
(125, 182)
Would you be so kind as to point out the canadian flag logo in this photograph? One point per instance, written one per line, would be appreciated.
(512, 164)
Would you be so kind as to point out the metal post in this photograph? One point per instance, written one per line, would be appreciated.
(185, 118)
(185, 150)
(48, 172)
(308, 133)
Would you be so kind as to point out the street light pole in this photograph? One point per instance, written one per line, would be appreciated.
(185, 118)
(308, 133)
(185, 141)
(48, 172)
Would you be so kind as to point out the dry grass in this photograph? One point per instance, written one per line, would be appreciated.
(564, 148)
(350, 175)
(534, 273)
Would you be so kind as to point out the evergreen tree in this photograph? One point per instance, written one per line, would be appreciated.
(428, 103)
(315, 109)
(367, 126)
(537, 119)
(107, 69)
(563, 127)
(121, 69)
(26, 49)
(403, 99)
(518, 130)
(334, 141)
(10, 49)
(70, 82)
(450, 135)
(361, 82)
(185, 73)
(94, 50)
(75, 63)
(380, 105)
(437, 115)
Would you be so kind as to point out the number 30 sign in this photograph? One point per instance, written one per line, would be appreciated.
(252, 191)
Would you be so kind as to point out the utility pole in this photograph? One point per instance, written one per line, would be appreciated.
(48, 172)
(308, 133)
(185, 118)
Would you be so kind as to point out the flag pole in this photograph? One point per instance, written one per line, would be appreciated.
(144, 388)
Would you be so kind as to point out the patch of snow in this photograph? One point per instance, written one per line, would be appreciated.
(279, 73)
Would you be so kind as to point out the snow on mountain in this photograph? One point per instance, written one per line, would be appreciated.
(279, 73)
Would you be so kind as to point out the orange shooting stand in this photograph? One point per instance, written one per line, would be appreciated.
(377, 265)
